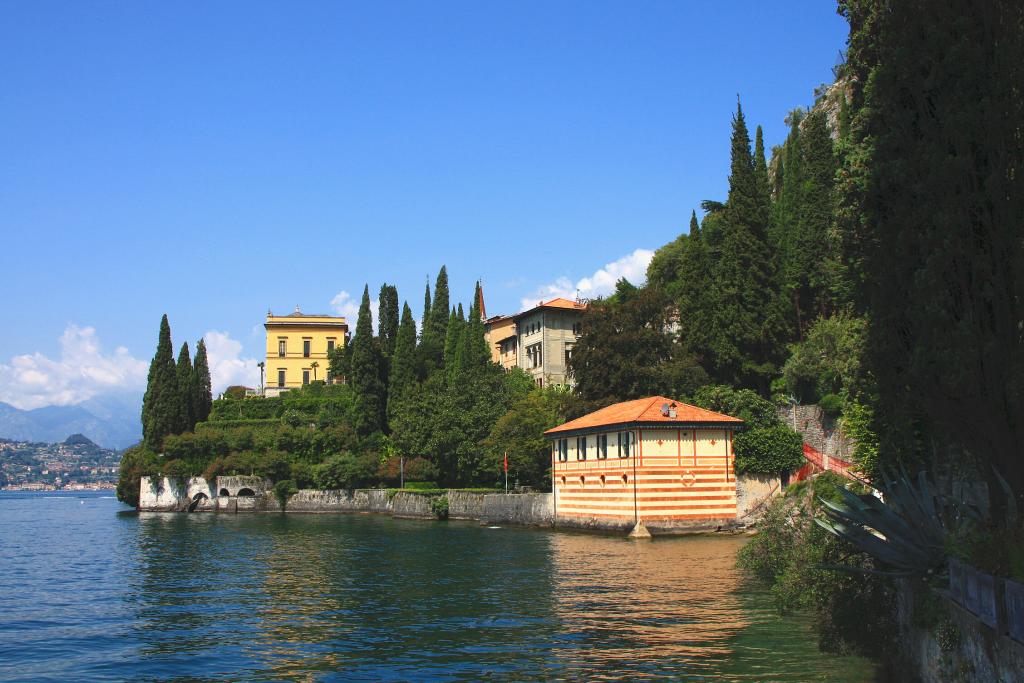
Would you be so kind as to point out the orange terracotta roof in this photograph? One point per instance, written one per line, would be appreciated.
(644, 410)
(558, 302)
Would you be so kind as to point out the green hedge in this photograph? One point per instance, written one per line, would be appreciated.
(229, 424)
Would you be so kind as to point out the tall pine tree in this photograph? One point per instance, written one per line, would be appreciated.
(160, 404)
(366, 383)
(202, 390)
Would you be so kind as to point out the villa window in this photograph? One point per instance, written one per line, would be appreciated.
(280, 378)
(281, 348)
(305, 347)
(305, 376)
(330, 345)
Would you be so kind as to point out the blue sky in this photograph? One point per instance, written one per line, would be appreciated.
(211, 160)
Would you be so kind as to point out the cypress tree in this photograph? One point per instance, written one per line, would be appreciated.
(202, 390)
(813, 249)
(425, 321)
(432, 338)
(160, 402)
(696, 290)
(387, 317)
(366, 383)
(761, 168)
(186, 410)
(745, 341)
(479, 352)
(439, 325)
(451, 339)
(403, 362)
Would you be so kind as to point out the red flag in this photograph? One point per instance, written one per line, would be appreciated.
(506, 462)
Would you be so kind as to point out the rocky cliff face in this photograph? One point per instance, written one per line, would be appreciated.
(819, 431)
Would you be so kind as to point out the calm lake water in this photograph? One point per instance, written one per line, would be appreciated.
(89, 591)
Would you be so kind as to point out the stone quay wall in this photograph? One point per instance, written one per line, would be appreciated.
(253, 494)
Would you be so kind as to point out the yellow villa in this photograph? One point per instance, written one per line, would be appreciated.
(298, 349)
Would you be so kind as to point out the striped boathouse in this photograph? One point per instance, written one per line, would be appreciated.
(653, 460)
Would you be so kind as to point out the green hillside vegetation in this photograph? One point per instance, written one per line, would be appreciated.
(429, 404)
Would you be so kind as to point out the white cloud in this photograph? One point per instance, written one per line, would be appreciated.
(633, 267)
(227, 367)
(82, 372)
(344, 304)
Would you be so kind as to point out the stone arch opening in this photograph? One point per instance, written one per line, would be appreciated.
(224, 492)
(246, 492)
(197, 500)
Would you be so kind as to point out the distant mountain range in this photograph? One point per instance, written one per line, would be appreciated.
(112, 421)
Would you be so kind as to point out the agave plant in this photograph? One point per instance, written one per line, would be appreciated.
(904, 528)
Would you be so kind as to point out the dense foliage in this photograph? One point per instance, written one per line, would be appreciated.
(931, 208)
(519, 433)
(765, 445)
(626, 351)
(853, 612)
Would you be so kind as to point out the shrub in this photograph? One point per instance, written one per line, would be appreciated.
(274, 465)
(235, 393)
(176, 469)
(768, 450)
(183, 446)
(294, 418)
(420, 485)
(284, 490)
(858, 424)
(346, 471)
(853, 612)
(214, 469)
(416, 469)
(831, 404)
(742, 403)
(828, 360)
(136, 462)
(439, 506)
(303, 474)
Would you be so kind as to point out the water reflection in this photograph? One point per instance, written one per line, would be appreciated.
(323, 597)
(662, 607)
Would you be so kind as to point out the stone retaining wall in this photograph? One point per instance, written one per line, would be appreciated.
(527, 509)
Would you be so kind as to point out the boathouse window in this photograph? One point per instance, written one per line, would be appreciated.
(281, 347)
(581, 448)
(625, 439)
(602, 446)
(306, 343)
(563, 449)
(280, 378)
